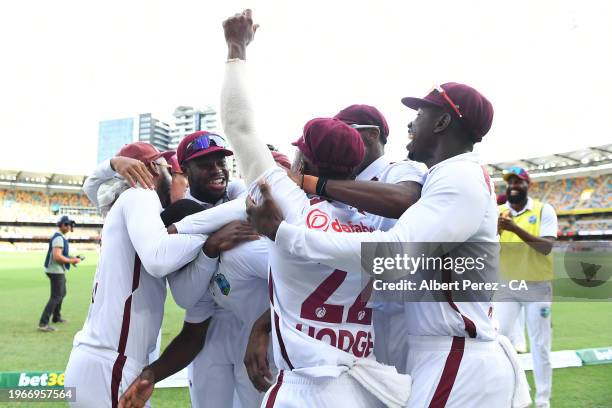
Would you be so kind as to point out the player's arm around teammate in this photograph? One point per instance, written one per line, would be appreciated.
(384, 199)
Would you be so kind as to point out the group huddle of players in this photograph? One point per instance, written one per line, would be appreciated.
(268, 271)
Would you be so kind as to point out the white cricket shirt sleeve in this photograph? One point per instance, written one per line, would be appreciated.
(252, 154)
(451, 208)
(190, 283)
(291, 199)
(406, 170)
(159, 252)
(100, 175)
(548, 222)
(212, 219)
(235, 189)
(202, 310)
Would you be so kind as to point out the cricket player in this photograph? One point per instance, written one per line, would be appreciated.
(239, 286)
(450, 343)
(528, 230)
(129, 287)
(322, 330)
(407, 175)
(202, 159)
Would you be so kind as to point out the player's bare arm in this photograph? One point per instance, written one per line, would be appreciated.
(541, 244)
(179, 353)
(256, 355)
(384, 199)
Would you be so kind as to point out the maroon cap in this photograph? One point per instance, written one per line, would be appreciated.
(144, 152)
(331, 144)
(281, 159)
(364, 115)
(516, 171)
(189, 148)
(176, 167)
(476, 110)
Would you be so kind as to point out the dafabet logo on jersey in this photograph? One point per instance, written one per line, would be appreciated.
(319, 220)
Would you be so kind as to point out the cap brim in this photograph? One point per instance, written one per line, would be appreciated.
(166, 155)
(417, 103)
(506, 176)
(212, 149)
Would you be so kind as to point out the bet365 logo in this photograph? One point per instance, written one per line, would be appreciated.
(44, 380)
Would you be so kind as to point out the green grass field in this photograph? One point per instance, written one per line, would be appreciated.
(24, 290)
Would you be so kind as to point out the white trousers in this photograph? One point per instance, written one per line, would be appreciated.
(218, 372)
(90, 371)
(539, 329)
(293, 390)
(540, 336)
(457, 372)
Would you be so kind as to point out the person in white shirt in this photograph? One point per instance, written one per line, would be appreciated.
(450, 343)
(202, 156)
(239, 286)
(129, 287)
(321, 322)
(407, 176)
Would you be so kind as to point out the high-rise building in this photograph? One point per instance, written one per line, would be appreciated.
(188, 120)
(153, 131)
(113, 135)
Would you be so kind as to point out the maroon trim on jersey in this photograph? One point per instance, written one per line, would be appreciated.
(470, 326)
(449, 374)
(270, 289)
(123, 337)
(316, 200)
(274, 391)
(487, 178)
(281, 343)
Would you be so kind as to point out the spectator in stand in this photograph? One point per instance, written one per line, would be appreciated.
(57, 262)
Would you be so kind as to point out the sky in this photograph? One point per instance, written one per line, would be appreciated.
(545, 66)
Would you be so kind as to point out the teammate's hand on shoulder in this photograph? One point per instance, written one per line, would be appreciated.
(228, 237)
(133, 171)
(256, 356)
(139, 391)
(239, 30)
(266, 217)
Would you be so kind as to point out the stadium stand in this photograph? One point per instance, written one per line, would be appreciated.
(577, 184)
(31, 203)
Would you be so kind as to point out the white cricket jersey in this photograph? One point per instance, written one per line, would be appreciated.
(320, 314)
(240, 284)
(386, 171)
(457, 205)
(129, 287)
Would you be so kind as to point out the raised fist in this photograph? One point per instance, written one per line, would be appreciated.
(239, 30)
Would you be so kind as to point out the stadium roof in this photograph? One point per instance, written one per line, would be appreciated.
(35, 180)
(591, 160)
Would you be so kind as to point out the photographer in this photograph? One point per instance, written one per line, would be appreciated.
(56, 264)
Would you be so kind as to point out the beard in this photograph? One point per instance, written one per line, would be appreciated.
(519, 198)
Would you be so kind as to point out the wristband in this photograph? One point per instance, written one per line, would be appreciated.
(309, 184)
(321, 184)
